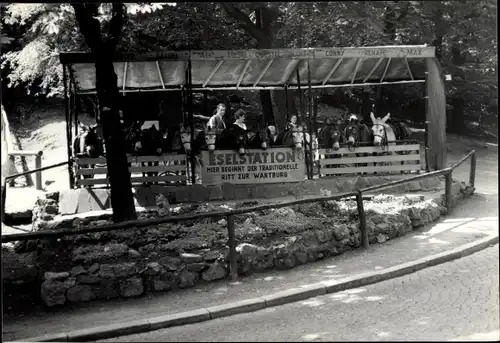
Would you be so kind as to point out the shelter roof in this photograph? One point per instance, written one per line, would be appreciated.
(258, 69)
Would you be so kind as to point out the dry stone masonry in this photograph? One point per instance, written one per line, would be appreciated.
(166, 257)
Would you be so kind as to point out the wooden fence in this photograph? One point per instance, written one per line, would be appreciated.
(370, 159)
(171, 169)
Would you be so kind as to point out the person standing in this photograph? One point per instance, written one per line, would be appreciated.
(216, 122)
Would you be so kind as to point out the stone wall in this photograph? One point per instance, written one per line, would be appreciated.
(129, 263)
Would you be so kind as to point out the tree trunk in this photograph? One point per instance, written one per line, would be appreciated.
(122, 200)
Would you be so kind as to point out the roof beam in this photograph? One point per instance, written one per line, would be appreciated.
(408, 67)
(124, 75)
(263, 72)
(212, 73)
(160, 75)
(385, 70)
(294, 63)
(330, 73)
(247, 64)
(358, 64)
(176, 89)
(373, 69)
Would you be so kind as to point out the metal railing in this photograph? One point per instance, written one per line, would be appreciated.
(38, 165)
(231, 213)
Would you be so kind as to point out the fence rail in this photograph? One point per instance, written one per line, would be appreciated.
(231, 213)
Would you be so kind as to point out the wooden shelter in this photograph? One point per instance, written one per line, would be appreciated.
(270, 69)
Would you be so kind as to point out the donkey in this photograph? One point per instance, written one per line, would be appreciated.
(291, 138)
(355, 133)
(150, 143)
(329, 138)
(88, 144)
(233, 138)
(259, 139)
(383, 133)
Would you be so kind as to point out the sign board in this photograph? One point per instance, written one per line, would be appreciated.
(273, 165)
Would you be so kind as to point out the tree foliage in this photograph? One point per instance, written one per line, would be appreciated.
(462, 31)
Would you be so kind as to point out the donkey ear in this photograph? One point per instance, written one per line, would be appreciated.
(372, 117)
(387, 116)
(82, 126)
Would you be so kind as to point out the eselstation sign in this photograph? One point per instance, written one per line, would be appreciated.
(255, 166)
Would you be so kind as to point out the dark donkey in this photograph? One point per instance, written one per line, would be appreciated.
(233, 138)
(88, 144)
(259, 139)
(150, 144)
(329, 138)
(355, 133)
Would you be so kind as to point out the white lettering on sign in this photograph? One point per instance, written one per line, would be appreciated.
(375, 52)
(335, 53)
(412, 51)
(256, 166)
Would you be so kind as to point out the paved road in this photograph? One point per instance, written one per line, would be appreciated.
(456, 300)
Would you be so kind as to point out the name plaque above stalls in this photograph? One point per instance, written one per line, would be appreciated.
(273, 165)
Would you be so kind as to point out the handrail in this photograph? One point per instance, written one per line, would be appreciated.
(26, 153)
(37, 170)
(403, 181)
(172, 219)
(231, 213)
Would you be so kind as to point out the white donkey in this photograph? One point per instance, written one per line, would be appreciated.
(383, 133)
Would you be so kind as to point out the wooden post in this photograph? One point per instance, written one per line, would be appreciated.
(12, 158)
(472, 174)
(233, 257)
(447, 194)
(38, 165)
(362, 220)
(4, 198)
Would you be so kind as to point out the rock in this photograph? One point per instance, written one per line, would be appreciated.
(21, 274)
(52, 209)
(247, 249)
(93, 268)
(324, 235)
(80, 293)
(340, 232)
(191, 258)
(88, 279)
(196, 267)
(77, 270)
(215, 271)
(115, 249)
(171, 263)
(47, 217)
(153, 268)
(185, 279)
(125, 269)
(77, 222)
(163, 205)
(52, 196)
(107, 289)
(131, 287)
(161, 285)
(107, 271)
(301, 257)
(133, 253)
(381, 238)
(53, 292)
(382, 227)
(211, 256)
(55, 276)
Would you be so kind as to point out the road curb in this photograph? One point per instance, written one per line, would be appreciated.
(255, 304)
